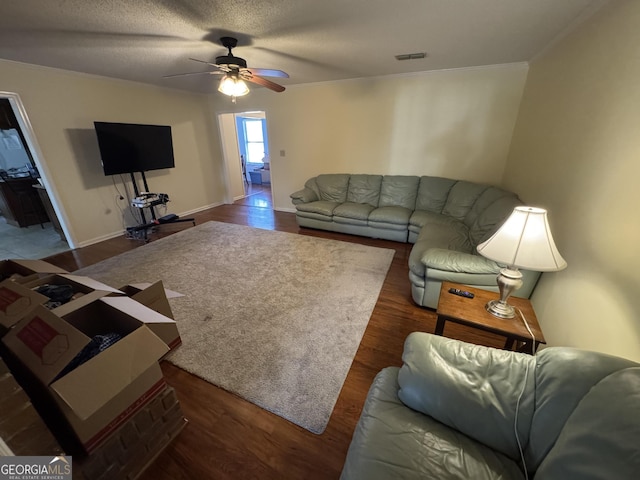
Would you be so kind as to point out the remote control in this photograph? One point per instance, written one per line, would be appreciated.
(462, 293)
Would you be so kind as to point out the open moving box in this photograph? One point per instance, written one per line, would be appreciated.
(105, 391)
(26, 270)
(16, 301)
(155, 296)
(19, 299)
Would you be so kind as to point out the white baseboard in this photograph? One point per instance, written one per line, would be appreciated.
(200, 209)
(111, 235)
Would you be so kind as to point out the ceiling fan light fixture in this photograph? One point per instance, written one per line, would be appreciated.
(233, 86)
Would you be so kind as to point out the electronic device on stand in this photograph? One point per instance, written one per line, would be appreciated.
(149, 200)
(135, 148)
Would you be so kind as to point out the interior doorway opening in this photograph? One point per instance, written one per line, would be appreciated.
(31, 222)
(245, 146)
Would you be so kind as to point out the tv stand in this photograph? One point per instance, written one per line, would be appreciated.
(160, 199)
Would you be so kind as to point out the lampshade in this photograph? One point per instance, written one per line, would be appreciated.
(524, 241)
(233, 86)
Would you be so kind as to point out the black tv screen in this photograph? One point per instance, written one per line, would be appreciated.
(130, 148)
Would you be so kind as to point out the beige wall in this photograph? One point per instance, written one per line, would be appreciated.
(62, 107)
(455, 123)
(576, 151)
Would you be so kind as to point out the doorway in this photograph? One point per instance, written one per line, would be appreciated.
(245, 147)
(30, 225)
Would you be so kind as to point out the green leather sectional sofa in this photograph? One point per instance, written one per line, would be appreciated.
(445, 219)
(452, 410)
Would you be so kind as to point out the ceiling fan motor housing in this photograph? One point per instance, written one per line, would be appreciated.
(231, 60)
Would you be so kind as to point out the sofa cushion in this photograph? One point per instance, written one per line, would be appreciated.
(488, 197)
(469, 388)
(305, 195)
(433, 193)
(454, 261)
(399, 190)
(358, 211)
(333, 187)
(313, 186)
(422, 218)
(559, 390)
(393, 215)
(364, 189)
(448, 235)
(393, 441)
(461, 198)
(599, 441)
(491, 218)
(322, 207)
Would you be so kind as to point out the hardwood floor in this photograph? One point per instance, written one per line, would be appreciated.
(229, 438)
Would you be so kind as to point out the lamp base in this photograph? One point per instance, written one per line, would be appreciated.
(509, 280)
(499, 309)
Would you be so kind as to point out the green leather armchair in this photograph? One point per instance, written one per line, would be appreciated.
(452, 410)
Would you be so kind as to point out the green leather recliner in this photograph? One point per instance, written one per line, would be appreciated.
(445, 219)
(452, 410)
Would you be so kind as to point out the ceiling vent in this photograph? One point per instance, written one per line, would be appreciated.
(411, 56)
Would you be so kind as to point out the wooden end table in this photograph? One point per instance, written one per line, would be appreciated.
(472, 312)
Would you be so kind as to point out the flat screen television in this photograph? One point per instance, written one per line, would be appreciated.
(130, 148)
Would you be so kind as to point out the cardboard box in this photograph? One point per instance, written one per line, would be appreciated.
(16, 301)
(19, 299)
(26, 270)
(163, 327)
(89, 289)
(155, 297)
(102, 393)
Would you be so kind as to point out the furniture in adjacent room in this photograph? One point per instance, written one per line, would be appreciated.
(260, 176)
(445, 219)
(453, 409)
(472, 312)
(20, 203)
(51, 213)
(265, 175)
(255, 176)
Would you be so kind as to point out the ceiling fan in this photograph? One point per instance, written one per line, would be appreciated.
(235, 72)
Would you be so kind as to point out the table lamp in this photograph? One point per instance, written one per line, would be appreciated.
(523, 241)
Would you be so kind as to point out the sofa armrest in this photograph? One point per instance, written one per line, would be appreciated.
(454, 261)
(471, 388)
(305, 195)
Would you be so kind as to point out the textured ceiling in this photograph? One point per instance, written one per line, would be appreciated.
(312, 40)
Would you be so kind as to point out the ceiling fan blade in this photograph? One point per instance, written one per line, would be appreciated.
(261, 81)
(193, 73)
(224, 68)
(267, 72)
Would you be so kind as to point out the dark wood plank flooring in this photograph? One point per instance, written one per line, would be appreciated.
(229, 438)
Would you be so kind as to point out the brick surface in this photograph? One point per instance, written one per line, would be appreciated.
(156, 409)
(143, 420)
(113, 449)
(138, 442)
(129, 435)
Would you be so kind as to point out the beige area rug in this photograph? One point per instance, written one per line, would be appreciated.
(273, 317)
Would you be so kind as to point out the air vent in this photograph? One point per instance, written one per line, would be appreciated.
(411, 56)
